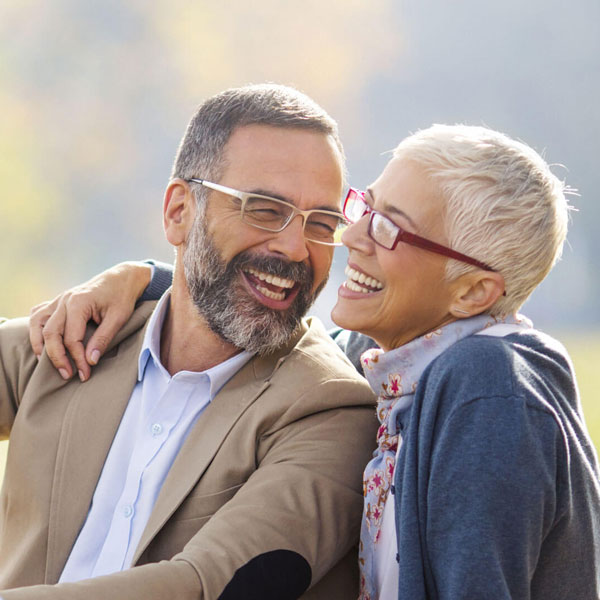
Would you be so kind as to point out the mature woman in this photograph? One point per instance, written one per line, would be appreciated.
(485, 483)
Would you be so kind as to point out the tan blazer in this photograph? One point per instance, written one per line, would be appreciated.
(274, 463)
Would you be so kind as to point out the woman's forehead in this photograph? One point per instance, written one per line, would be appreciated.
(390, 209)
(404, 189)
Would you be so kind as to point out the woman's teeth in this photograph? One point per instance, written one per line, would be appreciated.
(359, 282)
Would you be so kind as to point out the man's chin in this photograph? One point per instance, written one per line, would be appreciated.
(239, 318)
(254, 302)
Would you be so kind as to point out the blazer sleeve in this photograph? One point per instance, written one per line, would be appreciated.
(17, 363)
(300, 511)
(293, 519)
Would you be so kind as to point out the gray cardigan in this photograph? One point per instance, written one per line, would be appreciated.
(497, 486)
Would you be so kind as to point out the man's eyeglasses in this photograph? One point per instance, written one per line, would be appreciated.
(387, 234)
(272, 214)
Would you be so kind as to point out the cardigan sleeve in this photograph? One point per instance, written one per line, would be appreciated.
(162, 278)
(491, 497)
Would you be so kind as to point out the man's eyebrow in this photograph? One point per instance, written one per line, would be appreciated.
(390, 209)
(269, 194)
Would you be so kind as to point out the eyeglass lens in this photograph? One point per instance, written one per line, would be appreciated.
(274, 216)
(355, 206)
(382, 230)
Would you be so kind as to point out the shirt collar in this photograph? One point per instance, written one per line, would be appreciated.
(150, 350)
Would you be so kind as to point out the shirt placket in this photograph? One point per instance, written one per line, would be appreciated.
(158, 419)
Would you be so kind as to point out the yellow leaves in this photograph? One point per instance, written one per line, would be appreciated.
(322, 48)
(26, 210)
(93, 97)
(26, 199)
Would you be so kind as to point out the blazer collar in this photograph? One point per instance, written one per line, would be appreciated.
(89, 426)
(208, 434)
(93, 417)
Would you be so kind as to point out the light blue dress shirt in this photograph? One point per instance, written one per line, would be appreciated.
(161, 412)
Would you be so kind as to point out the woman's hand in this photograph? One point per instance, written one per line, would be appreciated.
(108, 299)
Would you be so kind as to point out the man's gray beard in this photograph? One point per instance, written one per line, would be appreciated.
(226, 305)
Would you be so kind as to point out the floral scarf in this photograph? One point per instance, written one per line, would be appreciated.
(394, 376)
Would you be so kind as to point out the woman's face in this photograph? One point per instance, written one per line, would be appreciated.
(407, 294)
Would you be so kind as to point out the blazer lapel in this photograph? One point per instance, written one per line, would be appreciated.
(208, 434)
(88, 429)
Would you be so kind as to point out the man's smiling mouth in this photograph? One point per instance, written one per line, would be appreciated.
(359, 282)
(271, 286)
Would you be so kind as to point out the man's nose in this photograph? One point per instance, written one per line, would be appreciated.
(291, 241)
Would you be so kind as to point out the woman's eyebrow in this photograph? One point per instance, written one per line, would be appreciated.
(389, 209)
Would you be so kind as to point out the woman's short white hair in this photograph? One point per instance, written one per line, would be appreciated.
(504, 206)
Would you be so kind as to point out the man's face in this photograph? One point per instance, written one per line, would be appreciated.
(230, 265)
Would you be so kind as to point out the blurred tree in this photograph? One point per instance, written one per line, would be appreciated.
(98, 95)
(95, 96)
(30, 207)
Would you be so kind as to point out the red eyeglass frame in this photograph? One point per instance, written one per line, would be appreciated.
(410, 238)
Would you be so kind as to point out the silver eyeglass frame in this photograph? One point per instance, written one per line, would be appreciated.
(243, 197)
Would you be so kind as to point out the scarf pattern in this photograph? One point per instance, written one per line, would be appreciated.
(394, 376)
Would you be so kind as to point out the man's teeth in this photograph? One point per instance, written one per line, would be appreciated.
(272, 279)
(367, 284)
(269, 294)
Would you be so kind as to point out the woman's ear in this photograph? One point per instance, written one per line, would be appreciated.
(476, 292)
(179, 210)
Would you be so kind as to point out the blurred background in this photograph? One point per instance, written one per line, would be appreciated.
(94, 97)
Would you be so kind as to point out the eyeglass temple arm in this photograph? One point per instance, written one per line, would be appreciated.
(416, 240)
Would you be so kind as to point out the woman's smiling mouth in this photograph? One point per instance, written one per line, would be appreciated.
(360, 282)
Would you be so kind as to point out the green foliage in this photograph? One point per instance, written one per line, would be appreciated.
(27, 211)
(585, 352)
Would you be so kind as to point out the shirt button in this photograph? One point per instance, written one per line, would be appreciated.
(156, 429)
(127, 511)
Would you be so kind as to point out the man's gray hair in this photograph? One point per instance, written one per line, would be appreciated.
(503, 205)
(201, 151)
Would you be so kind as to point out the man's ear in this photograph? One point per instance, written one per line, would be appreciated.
(476, 292)
(179, 210)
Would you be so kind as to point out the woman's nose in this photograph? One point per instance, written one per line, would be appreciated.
(356, 235)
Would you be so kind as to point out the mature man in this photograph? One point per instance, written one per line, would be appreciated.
(218, 448)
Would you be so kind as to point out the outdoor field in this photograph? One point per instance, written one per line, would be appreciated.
(585, 352)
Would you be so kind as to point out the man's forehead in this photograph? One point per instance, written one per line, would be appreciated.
(286, 163)
(268, 139)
